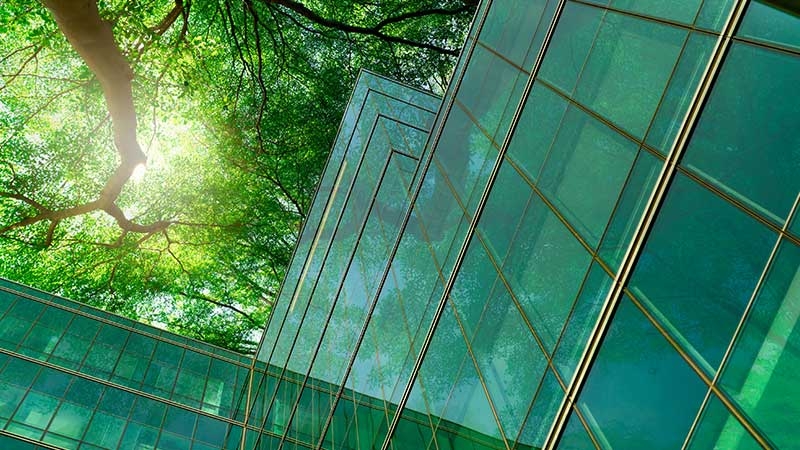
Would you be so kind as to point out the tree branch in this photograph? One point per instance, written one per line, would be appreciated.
(375, 31)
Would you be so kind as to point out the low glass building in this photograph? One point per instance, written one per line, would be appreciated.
(591, 241)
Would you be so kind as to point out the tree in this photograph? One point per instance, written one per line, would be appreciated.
(230, 106)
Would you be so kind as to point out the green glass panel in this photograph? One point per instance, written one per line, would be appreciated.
(694, 272)
(537, 127)
(509, 360)
(10, 396)
(60, 441)
(746, 142)
(9, 443)
(36, 410)
(680, 91)
(26, 309)
(84, 392)
(683, 11)
(628, 69)
(104, 430)
(441, 368)
(581, 321)
(639, 393)
(575, 436)
(169, 441)
(70, 420)
(761, 374)
(179, 421)
(487, 88)
(100, 361)
(466, 157)
(585, 172)
(500, 219)
(544, 269)
(713, 14)
(148, 412)
(211, 430)
(139, 436)
(629, 209)
(12, 331)
(20, 372)
(570, 46)
(719, 430)
(41, 340)
(505, 24)
(471, 291)
(52, 382)
(542, 413)
(84, 327)
(140, 345)
(24, 430)
(775, 22)
(168, 353)
(71, 348)
(116, 402)
(465, 403)
(131, 367)
(55, 318)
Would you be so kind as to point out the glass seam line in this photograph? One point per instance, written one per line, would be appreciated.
(28, 440)
(328, 161)
(646, 222)
(739, 328)
(427, 155)
(339, 290)
(473, 223)
(108, 384)
(104, 321)
(322, 268)
(368, 90)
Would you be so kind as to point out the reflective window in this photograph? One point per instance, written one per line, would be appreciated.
(585, 172)
(699, 267)
(746, 142)
(761, 373)
(639, 392)
(775, 22)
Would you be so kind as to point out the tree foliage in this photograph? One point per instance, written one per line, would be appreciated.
(232, 104)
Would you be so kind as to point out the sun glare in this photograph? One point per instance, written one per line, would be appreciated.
(138, 173)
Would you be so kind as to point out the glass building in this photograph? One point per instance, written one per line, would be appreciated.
(591, 241)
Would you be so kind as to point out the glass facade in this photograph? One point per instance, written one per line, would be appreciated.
(591, 241)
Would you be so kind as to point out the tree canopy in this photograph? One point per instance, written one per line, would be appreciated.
(157, 159)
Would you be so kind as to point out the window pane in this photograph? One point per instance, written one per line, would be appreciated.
(640, 393)
(761, 374)
(746, 142)
(699, 267)
(570, 45)
(628, 69)
(629, 209)
(537, 127)
(545, 269)
(585, 172)
(775, 22)
(719, 430)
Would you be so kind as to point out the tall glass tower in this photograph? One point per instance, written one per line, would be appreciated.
(590, 241)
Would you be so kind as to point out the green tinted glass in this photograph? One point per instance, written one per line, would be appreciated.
(761, 373)
(699, 267)
(719, 430)
(585, 172)
(775, 22)
(640, 393)
(628, 69)
(746, 142)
